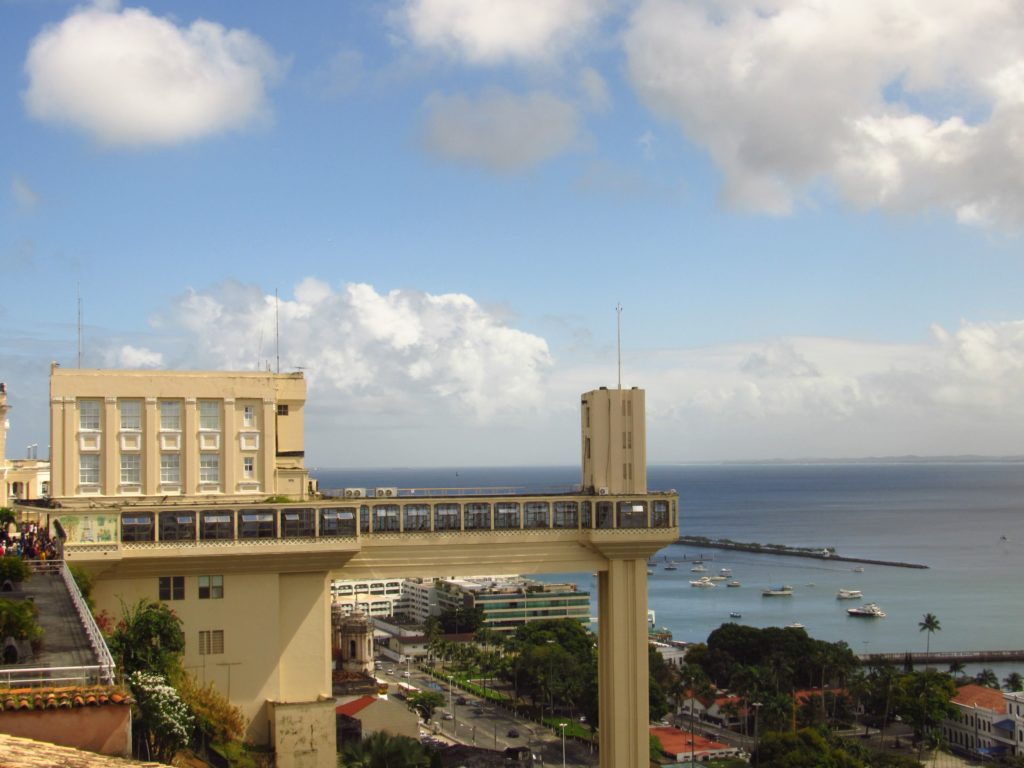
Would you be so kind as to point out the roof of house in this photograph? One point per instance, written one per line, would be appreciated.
(19, 699)
(350, 708)
(676, 742)
(981, 696)
(28, 753)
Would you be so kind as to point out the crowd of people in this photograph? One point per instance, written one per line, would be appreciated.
(28, 542)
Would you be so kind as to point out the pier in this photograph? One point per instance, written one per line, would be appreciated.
(940, 657)
(782, 549)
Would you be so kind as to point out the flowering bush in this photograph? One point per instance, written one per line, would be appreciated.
(165, 721)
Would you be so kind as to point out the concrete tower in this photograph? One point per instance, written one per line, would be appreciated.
(355, 641)
(614, 441)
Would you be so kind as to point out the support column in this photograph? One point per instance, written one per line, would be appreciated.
(230, 471)
(110, 453)
(268, 447)
(56, 457)
(622, 664)
(150, 448)
(189, 448)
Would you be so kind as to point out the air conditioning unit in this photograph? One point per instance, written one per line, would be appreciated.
(602, 491)
(387, 493)
(355, 493)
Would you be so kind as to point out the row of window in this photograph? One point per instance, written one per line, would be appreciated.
(130, 415)
(173, 587)
(186, 525)
(170, 468)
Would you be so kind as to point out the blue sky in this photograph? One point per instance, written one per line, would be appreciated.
(810, 212)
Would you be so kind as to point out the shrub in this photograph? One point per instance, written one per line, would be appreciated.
(14, 568)
(217, 719)
(84, 581)
(18, 620)
(165, 721)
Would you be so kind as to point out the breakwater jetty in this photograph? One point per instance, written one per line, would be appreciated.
(782, 549)
(940, 657)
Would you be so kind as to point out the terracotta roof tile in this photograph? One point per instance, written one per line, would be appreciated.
(20, 699)
(981, 696)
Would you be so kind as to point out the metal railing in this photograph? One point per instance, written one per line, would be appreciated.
(102, 672)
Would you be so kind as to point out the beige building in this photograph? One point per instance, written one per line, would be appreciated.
(192, 434)
(185, 523)
(20, 479)
(614, 441)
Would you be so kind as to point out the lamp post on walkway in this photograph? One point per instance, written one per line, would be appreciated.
(562, 726)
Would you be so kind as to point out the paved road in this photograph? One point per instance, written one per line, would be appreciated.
(480, 723)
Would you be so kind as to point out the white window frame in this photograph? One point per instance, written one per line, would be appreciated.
(170, 415)
(249, 416)
(131, 469)
(89, 470)
(89, 415)
(248, 467)
(131, 415)
(209, 415)
(170, 471)
(209, 468)
(211, 642)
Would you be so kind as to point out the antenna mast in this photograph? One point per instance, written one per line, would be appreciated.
(618, 338)
(277, 330)
(78, 294)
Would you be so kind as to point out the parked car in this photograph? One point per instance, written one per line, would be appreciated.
(447, 716)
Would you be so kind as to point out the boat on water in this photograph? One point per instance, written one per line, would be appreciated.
(735, 615)
(849, 594)
(859, 569)
(702, 583)
(733, 584)
(716, 577)
(671, 565)
(698, 568)
(795, 625)
(784, 590)
(868, 611)
(725, 572)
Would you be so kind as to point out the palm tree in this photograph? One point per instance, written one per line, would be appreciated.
(380, 750)
(956, 669)
(930, 624)
(987, 678)
(1014, 682)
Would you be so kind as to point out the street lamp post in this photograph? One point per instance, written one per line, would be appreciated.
(757, 737)
(562, 726)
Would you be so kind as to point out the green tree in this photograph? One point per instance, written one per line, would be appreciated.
(987, 678)
(462, 619)
(148, 638)
(7, 518)
(13, 568)
(1013, 682)
(923, 701)
(956, 669)
(383, 750)
(18, 620)
(930, 624)
(425, 702)
(216, 718)
(164, 721)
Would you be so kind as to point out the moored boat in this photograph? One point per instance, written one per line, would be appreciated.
(849, 594)
(734, 583)
(868, 610)
(702, 583)
(784, 590)
(698, 568)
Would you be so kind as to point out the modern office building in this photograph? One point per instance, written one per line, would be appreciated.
(189, 434)
(508, 602)
(174, 486)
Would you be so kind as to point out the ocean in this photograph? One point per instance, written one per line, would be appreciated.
(965, 521)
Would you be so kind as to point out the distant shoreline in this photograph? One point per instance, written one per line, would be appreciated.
(783, 550)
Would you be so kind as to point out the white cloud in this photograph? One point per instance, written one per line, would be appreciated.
(501, 131)
(500, 31)
(595, 90)
(25, 197)
(128, 356)
(402, 354)
(130, 78)
(901, 105)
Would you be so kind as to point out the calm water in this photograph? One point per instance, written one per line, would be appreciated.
(950, 517)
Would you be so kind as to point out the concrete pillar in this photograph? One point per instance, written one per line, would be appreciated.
(110, 454)
(57, 484)
(622, 664)
(69, 452)
(230, 469)
(150, 448)
(189, 448)
(268, 447)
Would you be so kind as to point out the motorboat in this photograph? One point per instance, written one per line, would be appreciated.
(725, 572)
(702, 583)
(849, 594)
(670, 565)
(859, 569)
(795, 625)
(717, 577)
(735, 615)
(784, 590)
(868, 611)
(698, 568)
(734, 583)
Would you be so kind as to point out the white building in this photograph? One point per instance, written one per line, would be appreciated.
(983, 725)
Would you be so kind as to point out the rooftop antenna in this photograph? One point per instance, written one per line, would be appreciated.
(78, 294)
(277, 330)
(618, 338)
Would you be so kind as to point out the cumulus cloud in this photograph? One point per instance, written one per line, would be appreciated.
(24, 196)
(398, 353)
(501, 131)
(128, 356)
(500, 31)
(127, 77)
(904, 106)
